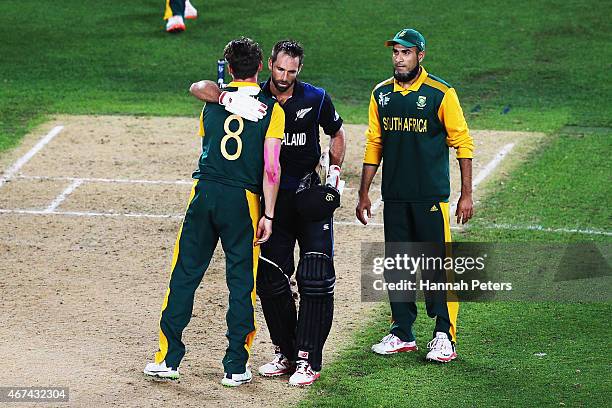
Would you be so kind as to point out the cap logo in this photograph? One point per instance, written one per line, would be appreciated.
(402, 33)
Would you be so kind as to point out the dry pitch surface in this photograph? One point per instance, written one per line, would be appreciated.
(87, 227)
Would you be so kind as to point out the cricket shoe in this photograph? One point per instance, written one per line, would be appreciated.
(278, 366)
(391, 344)
(161, 371)
(304, 375)
(190, 12)
(234, 380)
(175, 24)
(441, 349)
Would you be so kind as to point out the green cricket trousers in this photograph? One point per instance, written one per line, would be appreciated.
(420, 222)
(215, 211)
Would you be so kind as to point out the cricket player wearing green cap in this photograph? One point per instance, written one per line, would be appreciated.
(414, 117)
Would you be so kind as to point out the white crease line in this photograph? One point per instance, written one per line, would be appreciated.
(374, 224)
(358, 224)
(89, 214)
(26, 157)
(548, 229)
(347, 223)
(376, 204)
(484, 173)
(105, 180)
(488, 169)
(58, 200)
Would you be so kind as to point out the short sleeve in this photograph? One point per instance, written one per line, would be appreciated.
(329, 119)
(276, 128)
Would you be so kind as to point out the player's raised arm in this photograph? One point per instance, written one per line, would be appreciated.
(205, 90)
(239, 103)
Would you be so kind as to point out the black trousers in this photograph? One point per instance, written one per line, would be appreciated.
(281, 313)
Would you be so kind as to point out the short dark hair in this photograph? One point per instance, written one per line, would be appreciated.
(244, 56)
(290, 47)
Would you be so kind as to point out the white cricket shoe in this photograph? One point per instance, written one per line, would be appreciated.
(391, 344)
(161, 371)
(234, 380)
(304, 375)
(190, 12)
(175, 24)
(278, 366)
(441, 349)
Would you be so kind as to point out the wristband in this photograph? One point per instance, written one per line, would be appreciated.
(268, 218)
(222, 96)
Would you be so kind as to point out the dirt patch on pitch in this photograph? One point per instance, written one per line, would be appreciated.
(83, 290)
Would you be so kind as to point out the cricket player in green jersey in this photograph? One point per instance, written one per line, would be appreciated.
(414, 118)
(239, 161)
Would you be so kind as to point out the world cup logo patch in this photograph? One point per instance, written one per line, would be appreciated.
(383, 99)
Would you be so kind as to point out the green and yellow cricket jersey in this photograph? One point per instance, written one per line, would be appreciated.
(232, 147)
(410, 131)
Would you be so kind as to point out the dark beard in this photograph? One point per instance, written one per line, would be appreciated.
(281, 88)
(407, 76)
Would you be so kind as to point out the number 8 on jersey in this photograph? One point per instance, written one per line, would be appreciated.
(232, 135)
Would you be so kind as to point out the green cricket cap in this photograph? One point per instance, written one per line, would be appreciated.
(408, 38)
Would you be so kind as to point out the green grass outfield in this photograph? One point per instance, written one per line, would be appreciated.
(544, 63)
(564, 184)
(547, 61)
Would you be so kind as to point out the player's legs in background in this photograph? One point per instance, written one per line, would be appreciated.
(174, 12)
(399, 227)
(275, 268)
(190, 12)
(316, 279)
(432, 222)
(174, 8)
(236, 215)
(193, 250)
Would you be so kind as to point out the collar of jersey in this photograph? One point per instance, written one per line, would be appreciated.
(415, 85)
(240, 84)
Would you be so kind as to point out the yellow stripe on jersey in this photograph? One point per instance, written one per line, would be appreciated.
(201, 129)
(387, 81)
(163, 340)
(457, 133)
(436, 84)
(253, 202)
(374, 148)
(240, 84)
(276, 128)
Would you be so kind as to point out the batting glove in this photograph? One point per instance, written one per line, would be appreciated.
(243, 104)
(333, 178)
